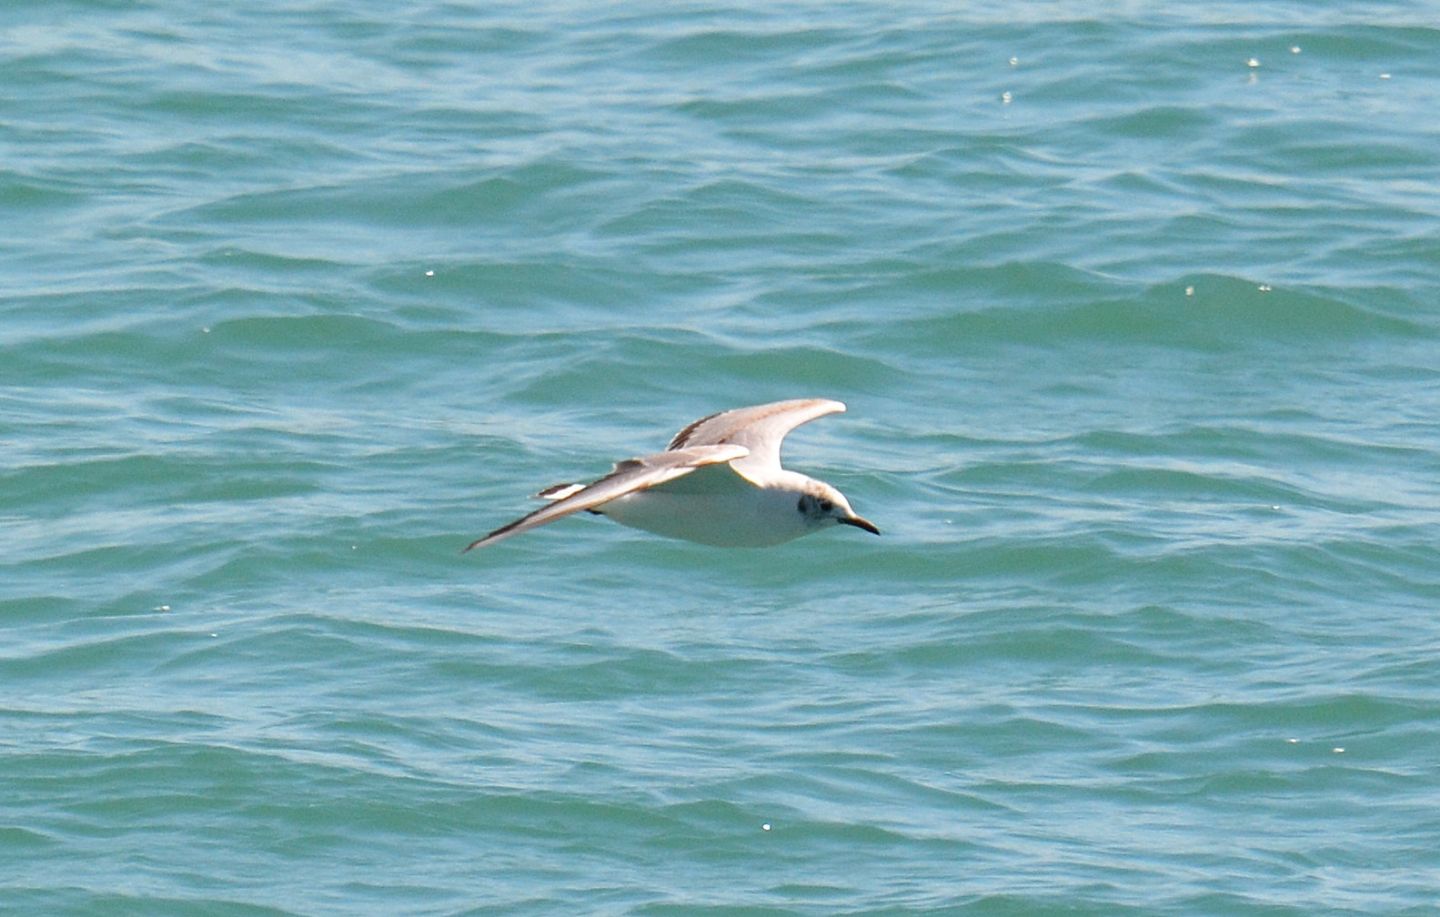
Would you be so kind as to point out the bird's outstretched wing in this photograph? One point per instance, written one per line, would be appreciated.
(760, 429)
(628, 477)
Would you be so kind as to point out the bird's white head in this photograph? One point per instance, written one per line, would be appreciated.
(822, 505)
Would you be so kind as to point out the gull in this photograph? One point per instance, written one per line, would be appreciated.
(719, 482)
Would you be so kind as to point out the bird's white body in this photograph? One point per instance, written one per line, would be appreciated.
(719, 483)
(731, 514)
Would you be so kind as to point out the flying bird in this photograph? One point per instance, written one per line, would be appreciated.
(719, 482)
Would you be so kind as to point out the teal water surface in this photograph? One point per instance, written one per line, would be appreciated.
(1135, 312)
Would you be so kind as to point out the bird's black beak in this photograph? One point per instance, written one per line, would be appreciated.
(860, 523)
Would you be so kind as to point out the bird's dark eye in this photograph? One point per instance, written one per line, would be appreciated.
(826, 506)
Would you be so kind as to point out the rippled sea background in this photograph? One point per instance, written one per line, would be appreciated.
(1136, 309)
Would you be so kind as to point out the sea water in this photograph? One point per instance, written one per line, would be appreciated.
(1135, 311)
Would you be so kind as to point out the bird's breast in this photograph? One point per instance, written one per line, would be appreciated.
(746, 517)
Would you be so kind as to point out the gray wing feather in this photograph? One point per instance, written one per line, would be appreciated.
(759, 429)
(627, 477)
